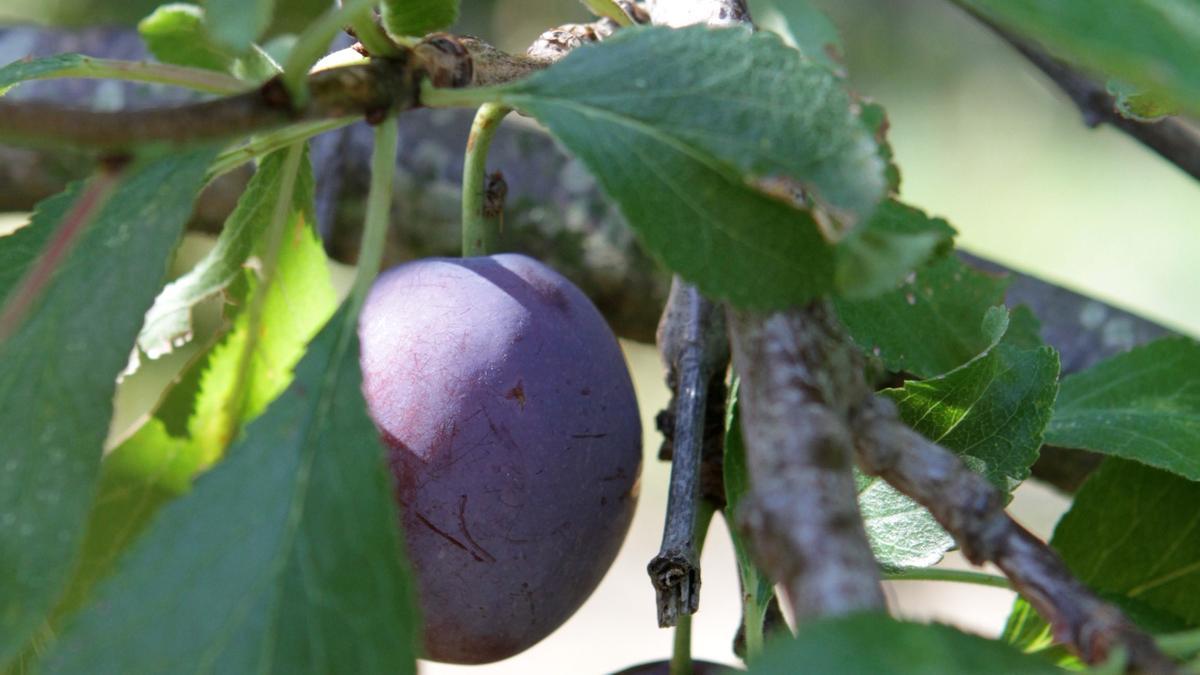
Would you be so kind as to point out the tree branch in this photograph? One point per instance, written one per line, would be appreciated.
(554, 210)
(695, 351)
(1172, 138)
(972, 511)
(374, 89)
(801, 513)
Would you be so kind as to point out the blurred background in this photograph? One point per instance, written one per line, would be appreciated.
(981, 140)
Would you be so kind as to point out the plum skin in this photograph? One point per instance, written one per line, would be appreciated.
(514, 438)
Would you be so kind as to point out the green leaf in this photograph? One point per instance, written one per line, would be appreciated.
(609, 9)
(874, 643)
(1142, 405)
(743, 99)
(803, 26)
(931, 324)
(177, 34)
(169, 321)
(201, 413)
(35, 69)
(902, 533)
(677, 125)
(876, 119)
(757, 586)
(58, 372)
(1133, 536)
(235, 24)
(418, 17)
(1149, 43)
(876, 257)
(991, 412)
(286, 557)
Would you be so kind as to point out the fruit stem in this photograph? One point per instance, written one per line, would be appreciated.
(379, 204)
(482, 198)
(681, 652)
(960, 576)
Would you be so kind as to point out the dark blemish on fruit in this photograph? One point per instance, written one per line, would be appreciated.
(517, 394)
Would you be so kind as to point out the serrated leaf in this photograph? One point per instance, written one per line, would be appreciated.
(876, 257)
(757, 588)
(286, 557)
(235, 24)
(674, 123)
(418, 17)
(1150, 43)
(33, 69)
(1142, 405)
(177, 34)
(931, 323)
(876, 119)
(874, 643)
(169, 321)
(58, 372)
(199, 415)
(1132, 535)
(803, 26)
(743, 99)
(991, 412)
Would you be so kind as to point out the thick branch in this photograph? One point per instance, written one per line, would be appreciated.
(372, 90)
(1171, 137)
(972, 511)
(554, 210)
(801, 514)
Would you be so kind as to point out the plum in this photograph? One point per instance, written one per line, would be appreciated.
(514, 440)
(664, 668)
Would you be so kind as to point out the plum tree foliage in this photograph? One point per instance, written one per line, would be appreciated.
(444, 463)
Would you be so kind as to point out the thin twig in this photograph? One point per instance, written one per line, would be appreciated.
(694, 349)
(1170, 137)
(972, 511)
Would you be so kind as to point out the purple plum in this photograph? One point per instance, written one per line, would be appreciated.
(514, 439)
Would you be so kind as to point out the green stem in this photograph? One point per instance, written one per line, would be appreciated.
(372, 37)
(959, 576)
(235, 405)
(313, 43)
(199, 79)
(480, 226)
(463, 97)
(752, 617)
(379, 203)
(681, 651)
(265, 144)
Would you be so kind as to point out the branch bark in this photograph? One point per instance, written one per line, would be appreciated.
(554, 210)
(694, 349)
(801, 513)
(1172, 138)
(381, 87)
(972, 511)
